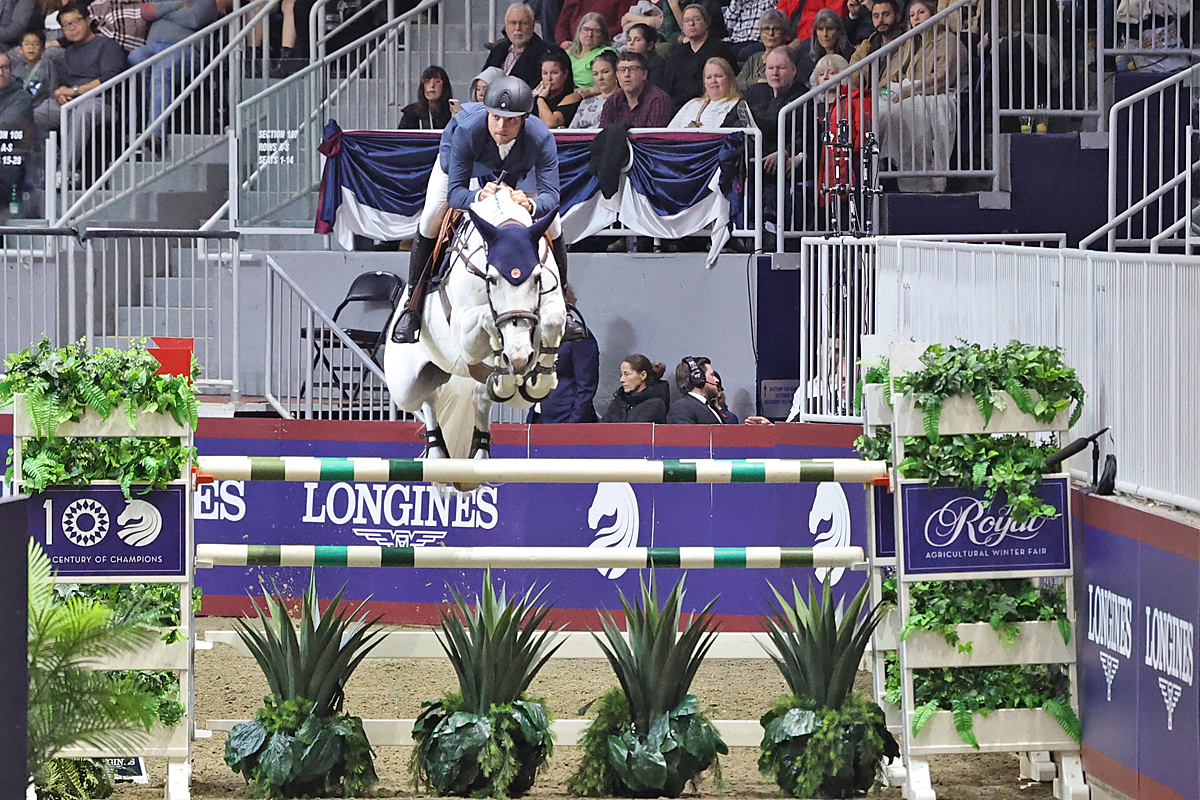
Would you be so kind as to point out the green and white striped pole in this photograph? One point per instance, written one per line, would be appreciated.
(308, 555)
(539, 470)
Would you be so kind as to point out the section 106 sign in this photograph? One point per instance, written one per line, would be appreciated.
(950, 531)
(91, 531)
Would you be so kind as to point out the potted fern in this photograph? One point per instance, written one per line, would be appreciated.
(300, 742)
(488, 738)
(823, 740)
(651, 739)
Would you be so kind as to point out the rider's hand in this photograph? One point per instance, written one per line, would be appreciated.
(522, 199)
(489, 189)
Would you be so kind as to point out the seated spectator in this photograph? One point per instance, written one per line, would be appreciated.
(742, 18)
(49, 9)
(432, 110)
(555, 99)
(121, 21)
(766, 100)
(591, 39)
(521, 52)
(638, 104)
(644, 12)
(917, 121)
(857, 21)
(16, 131)
(721, 99)
(885, 16)
(828, 37)
(573, 13)
(35, 72)
(673, 32)
(698, 386)
(719, 405)
(685, 64)
(772, 28)
(643, 39)
(644, 396)
(578, 370)
(604, 80)
(171, 22)
(90, 60)
(480, 83)
(16, 17)
(803, 13)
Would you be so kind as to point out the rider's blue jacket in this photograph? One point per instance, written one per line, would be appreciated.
(468, 151)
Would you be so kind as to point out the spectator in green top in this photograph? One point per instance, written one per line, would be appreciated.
(591, 39)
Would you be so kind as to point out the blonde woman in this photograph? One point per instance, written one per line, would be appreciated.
(591, 39)
(720, 99)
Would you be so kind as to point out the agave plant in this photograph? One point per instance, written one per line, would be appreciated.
(69, 703)
(300, 742)
(667, 741)
(488, 739)
(823, 740)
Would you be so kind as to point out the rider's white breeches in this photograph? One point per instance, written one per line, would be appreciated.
(436, 205)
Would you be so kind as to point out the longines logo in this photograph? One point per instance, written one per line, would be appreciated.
(1170, 649)
(1110, 625)
(398, 514)
(984, 526)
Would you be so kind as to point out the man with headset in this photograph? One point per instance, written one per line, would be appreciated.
(500, 144)
(698, 385)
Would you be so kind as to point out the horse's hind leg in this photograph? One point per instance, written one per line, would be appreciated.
(481, 439)
(435, 442)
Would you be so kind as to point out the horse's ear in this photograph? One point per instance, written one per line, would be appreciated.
(539, 228)
(485, 228)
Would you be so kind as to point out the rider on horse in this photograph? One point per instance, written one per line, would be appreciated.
(499, 143)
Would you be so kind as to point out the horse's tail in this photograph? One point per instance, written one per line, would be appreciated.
(456, 416)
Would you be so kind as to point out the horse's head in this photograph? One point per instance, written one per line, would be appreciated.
(516, 281)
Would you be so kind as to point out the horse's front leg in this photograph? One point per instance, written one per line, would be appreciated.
(543, 377)
(481, 439)
(435, 442)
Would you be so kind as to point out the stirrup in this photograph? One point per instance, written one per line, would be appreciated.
(434, 438)
(481, 441)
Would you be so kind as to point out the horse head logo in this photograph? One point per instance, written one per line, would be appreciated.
(618, 501)
(147, 526)
(512, 248)
(830, 506)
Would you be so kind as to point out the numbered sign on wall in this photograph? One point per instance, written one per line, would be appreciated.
(95, 531)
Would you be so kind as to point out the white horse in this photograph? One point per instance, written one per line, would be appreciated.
(489, 332)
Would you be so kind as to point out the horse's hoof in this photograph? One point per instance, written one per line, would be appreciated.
(466, 487)
(501, 387)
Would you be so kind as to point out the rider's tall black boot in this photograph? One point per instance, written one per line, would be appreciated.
(407, 328)
(559, 247)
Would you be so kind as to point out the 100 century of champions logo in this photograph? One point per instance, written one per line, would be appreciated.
(400, 514)
(1110, 625)
(1170, 650)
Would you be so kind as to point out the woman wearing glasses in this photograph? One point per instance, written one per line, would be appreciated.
(772, 33)
(591, 39)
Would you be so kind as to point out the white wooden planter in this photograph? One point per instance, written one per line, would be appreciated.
(92, 425)
(160, 742)
(1036, 643)
(876, 410)
(1005, 730)
(960, 414)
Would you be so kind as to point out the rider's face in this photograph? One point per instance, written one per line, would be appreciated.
(504, 129)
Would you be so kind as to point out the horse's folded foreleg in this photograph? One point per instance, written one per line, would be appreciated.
(435, 442)
(541, 380)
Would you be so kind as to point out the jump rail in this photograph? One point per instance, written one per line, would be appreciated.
(538, 470)
(307, 555)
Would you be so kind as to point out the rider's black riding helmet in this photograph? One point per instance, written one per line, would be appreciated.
(508, 97)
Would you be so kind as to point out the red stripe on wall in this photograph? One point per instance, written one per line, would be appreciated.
(1111, 771)
(1140, 523)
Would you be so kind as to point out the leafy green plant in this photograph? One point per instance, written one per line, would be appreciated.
(69, 703)
(595, 776)
(300, 742)
(69, 461)
(668, 741)
(159, 602)
(77, 779)
(877, 447)
(822, 740)
(488, 739)
(875, 372)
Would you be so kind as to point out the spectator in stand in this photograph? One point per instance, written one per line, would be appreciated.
(721, 99)
(480, 83)
(521, 54)
(719, 405)
(90, 60)
(604, 80)
(857, 21)
(575, 11)
(638, 104)
(36, 73)
(766, 99)
(828, 38)
(433, 110)
(555, 99)
(673, 32)
(121, 21)
(803, 13)
(885, 15)
(295, 31)
(685, 64)
(698, 386)
(742, 19)
(171, 22)
(545, 13)
(591, 39)
(578, 369)
(917, 121)
(772, 33)
(16, 17)
(642, 38)
(644, 396)
(49, 10)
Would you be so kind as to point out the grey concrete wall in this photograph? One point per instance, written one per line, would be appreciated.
(664, 306)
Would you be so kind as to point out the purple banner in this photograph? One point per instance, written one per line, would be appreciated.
(948, 530)
(885, 522)
(94, 531)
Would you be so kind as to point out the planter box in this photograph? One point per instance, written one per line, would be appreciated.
(158, 655)
(1037, 643)
(160, 742)
(92, 425)
(1006, 730)
(887, 635)
(876, 410)
(960, 414)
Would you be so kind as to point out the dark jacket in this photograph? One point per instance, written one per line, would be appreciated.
(578, 376)
(648, 405)
(529, 64)
(764, 105)
(688, 410)
(685, 68)
(413, 119)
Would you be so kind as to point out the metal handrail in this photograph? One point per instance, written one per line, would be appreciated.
(316, 41)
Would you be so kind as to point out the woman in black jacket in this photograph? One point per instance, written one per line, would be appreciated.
(643, 396)
(433, 108)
